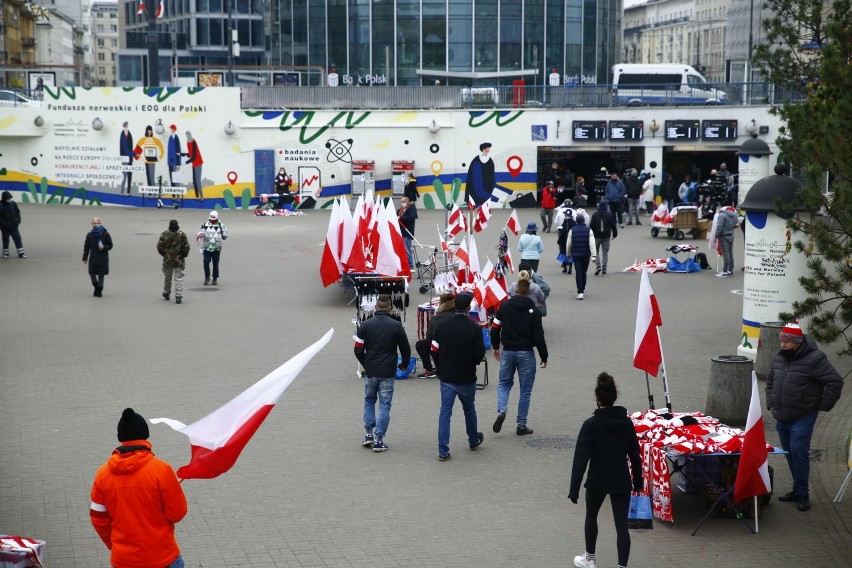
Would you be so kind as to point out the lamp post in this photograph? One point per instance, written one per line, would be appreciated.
(230, 79)
(153, 44)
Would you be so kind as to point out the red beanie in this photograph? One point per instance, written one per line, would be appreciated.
(792, 333)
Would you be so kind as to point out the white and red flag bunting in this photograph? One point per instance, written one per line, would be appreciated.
(753, 471)
(160, 9)
(507, 258)
(514, 224)
(218, 439)
(483, 214)
(647, 350)
(330, 266)
(457, 223)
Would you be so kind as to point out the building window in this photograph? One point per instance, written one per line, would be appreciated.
(101, 56)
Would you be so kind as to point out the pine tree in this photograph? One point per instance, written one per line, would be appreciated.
(808, 50)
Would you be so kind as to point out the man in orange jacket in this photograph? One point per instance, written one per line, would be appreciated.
(136, 501)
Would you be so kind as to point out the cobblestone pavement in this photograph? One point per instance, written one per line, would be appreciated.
(305, 493)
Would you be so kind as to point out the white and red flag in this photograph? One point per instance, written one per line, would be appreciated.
(463, 255)
(514, 224)
(444, 246)
(218, 439)
(141, 8)
(753, 471)
(161, 9)
(330, 266)
(647, 350)
(483, 214)
(457, 223)
(507, 258)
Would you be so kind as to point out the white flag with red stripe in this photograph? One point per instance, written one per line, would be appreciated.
(462, 254)
(507, 258)
(218, 439)
(495, 293)
(753, 471)
(444, 246)
(647, 351)
(457, 223)
(160, 9)
(141, 9)
(483, 214)
(514, 224)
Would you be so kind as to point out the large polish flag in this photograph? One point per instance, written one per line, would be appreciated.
(753, 471)
(330, 266)
(514, 224)
(647, 351)
(218, 439)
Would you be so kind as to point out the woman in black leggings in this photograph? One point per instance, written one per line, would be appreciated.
(605, 440)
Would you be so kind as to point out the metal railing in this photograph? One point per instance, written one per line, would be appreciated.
(451, 97)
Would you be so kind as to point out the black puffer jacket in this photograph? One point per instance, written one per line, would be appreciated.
(803, 384)
(605, 441)
(376, 344)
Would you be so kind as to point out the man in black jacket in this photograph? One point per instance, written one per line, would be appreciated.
(458, 347)
(376, 343)
(518, 325)
(800, 383)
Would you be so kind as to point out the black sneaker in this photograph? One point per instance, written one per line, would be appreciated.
(166, 296)
(215, 282)
(498, 424)
(804, 504)
(206, 281)
(368, 441)
(789, 497)
(428, 374)
(523, 430)
(479, 442)
(178, 299)
(444, 458)
(597, 270)
(380, 446)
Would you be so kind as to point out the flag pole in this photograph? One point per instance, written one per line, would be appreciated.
(663, 370)
(756, 528)
(650, 396)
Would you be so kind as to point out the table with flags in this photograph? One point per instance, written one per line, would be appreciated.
(668, 437)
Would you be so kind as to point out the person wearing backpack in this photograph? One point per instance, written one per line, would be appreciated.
(604, 230)
(10, 219)
(634, 196)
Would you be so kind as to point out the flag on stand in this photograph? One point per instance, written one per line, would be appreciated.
(444, 247)
(462, 254)
(330, 265)
(647, 351)
(160, 9)
(495, 293)
(753, 471)
(514, 224)
(218, 439)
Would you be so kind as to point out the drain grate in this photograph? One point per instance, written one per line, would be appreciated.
(553, 442)
(816, 455)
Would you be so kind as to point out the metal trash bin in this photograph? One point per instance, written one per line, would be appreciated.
(768, 345)
(729, 390)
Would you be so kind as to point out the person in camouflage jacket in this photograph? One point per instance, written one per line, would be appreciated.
(173, 246)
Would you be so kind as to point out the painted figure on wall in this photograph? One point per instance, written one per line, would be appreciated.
(480, 176)
(125, 150)
(193, 157)
(173, 153)
(151, 149)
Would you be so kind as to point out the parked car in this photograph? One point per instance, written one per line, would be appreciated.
(15, 99)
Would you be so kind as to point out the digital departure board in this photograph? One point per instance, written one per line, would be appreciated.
(626, 130)
(683, 129)
(592, 130)
(719, 129)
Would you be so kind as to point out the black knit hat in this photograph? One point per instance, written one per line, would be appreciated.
(132, 426)
(173, 225)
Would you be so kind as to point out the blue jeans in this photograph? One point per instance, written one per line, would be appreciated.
(178, 563)
(381, 390)
(407, 242)
(211, 255)
(466, 394)
(524, 362)
(796, 440)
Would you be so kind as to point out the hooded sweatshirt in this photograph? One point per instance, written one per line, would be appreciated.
(136, 501)
(518, 326)
(605, 441)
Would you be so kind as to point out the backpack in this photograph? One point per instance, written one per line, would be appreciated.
(701, 260)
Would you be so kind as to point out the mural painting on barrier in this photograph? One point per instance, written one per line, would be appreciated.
(95, 142)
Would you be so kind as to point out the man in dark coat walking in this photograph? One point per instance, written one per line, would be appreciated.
(800, 384)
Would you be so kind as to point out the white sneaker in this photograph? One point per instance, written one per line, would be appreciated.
(580, 296)
(582, 562)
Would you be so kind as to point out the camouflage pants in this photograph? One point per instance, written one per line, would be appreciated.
(175, 272)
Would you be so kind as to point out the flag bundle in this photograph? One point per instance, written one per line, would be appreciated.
(457, 223)
(218, 439)
(753, 471)
(480, 220)
(369, 240)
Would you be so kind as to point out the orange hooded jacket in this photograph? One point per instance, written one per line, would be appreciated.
(136, 501)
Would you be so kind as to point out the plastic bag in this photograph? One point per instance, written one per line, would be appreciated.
(405, 373)
(639, 515)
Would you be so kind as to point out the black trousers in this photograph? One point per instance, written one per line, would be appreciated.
(620, 504)
(424, 349)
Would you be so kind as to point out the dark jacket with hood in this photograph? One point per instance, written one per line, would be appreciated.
(517, 325)
(376, 343)
(444, 312)
(10, 215)
(458, 347)
(727, 223)
(605, 440)
(801, 384)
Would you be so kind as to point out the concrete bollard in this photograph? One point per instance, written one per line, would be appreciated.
(767, 346)
(729, 391)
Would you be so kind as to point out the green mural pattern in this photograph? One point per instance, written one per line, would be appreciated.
(231, 202)
(305, 118)
(43, 195)
(476, 118)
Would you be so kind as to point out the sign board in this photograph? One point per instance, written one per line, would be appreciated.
(209, 79)
(719, 129)
(286, 79)
(683, 129)
(264, 171)
(626, 130)
(38, 80)
(588, 130)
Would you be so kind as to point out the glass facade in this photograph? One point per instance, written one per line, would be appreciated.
(456, 42)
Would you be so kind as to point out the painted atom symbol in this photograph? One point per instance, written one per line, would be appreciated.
(339, 150)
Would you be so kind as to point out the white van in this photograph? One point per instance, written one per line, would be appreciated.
(663, 83)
